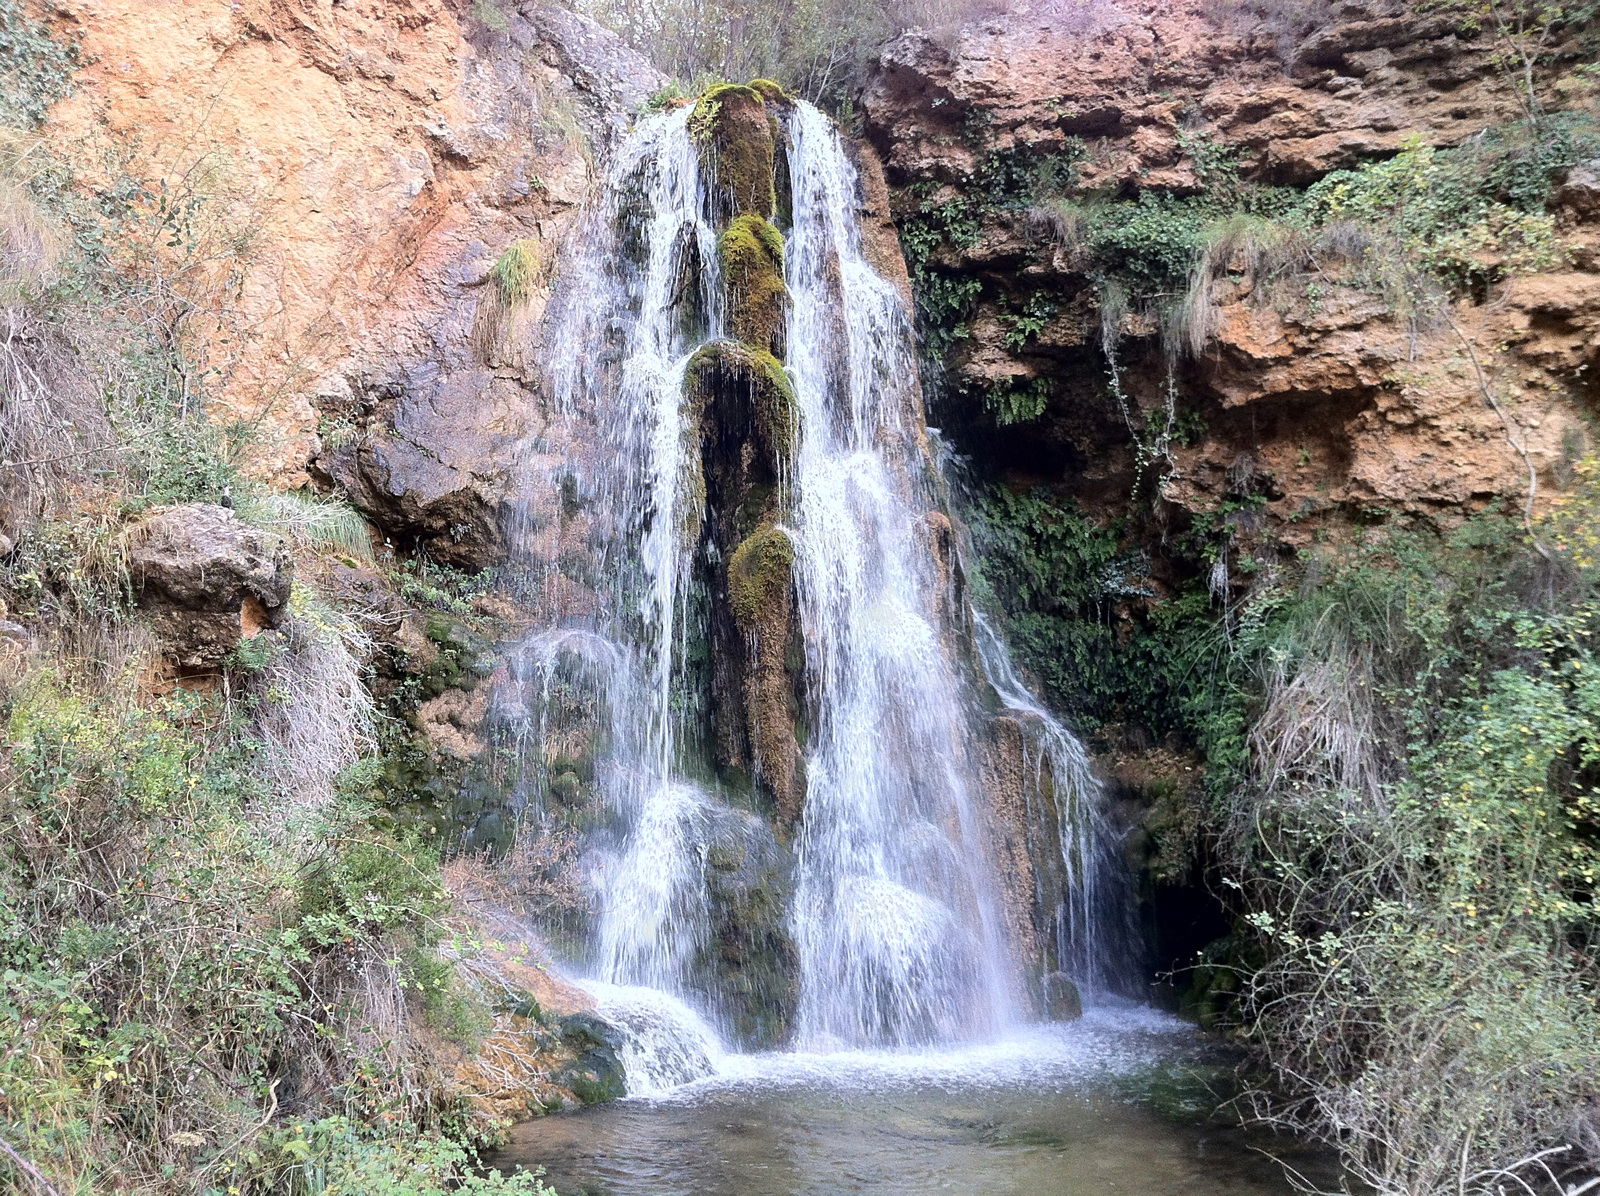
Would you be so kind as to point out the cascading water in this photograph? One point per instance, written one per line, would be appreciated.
(1092, 898)
(631, 320)
(895, 916)
(892, 931)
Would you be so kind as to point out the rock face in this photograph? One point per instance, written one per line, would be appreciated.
(1318, 405)
(206, 581)
(371, 162)
(1144, 75)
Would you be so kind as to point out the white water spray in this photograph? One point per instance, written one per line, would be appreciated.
(895, 917)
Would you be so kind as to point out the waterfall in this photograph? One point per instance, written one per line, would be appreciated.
(895, 916)
(862, 906)
(633, 314)
(1092, 898)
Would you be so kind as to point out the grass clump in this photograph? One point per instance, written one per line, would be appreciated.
(309, 521)
(516, 272)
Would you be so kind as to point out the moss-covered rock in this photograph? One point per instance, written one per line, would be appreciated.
(750, 952)
(758, 574)
(751, 253)
(761, 600)
(739, 148)
(596, 1074)
(729, 374)
(770, 91)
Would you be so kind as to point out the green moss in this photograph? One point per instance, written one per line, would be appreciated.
(738, 147)
(730, 363)
(758, 571)
(708, 106)
(771, 91)
(751, 252)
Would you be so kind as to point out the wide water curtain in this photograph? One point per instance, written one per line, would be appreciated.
(788, 825)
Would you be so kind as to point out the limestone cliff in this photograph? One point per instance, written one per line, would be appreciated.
(363, 168)
(1319, 405)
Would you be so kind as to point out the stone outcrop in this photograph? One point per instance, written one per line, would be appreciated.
(1149, 74)
(205, 581)
(372, 163)
(545, 1049)
(1313, 406)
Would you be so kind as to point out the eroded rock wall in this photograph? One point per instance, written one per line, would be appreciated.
(1325, 403)
(365, 165)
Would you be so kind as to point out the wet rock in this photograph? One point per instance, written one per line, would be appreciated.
(1062, 1001)
(205, 581)
(433, 466)
(750, 955)
(739, 136)
(596, 1073)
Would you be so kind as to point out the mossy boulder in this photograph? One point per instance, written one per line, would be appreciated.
(595, 1073)
(1062, 1000)
(738, 140)
(749, 950)
(758, 575)
(773, 93)
(742, 388)
(751, 253)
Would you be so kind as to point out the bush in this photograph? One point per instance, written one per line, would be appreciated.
(1415, 839)
(35, 69)
(173, 971)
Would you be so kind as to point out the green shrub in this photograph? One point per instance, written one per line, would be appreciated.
(334, 1155)
(35, 69)
(1414, 836)
(1466, 216)
(172, 966)
(368, 885)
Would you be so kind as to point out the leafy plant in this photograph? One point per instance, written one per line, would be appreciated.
(36, 70)
(1017, 403)
(1414, 838)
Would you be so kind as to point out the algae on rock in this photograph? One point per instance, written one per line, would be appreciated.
(761, 599)
(751, 252)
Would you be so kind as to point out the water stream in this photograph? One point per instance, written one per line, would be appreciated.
(897, 967)
(896, 913)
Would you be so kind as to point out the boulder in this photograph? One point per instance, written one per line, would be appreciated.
(1062, 1001)
(206, 581)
